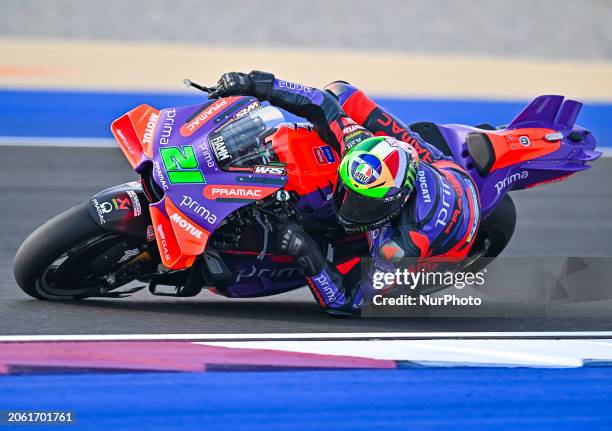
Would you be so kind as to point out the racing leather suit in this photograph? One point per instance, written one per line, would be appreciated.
(438, 222)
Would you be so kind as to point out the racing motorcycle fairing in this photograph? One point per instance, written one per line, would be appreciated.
(312, 165)
(311, 161)
(189, 147)
(252, 277)
(209, 160)
(541, 145)
(134, 133)
(510, 147)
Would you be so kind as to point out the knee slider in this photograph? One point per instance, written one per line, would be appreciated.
(391, 252)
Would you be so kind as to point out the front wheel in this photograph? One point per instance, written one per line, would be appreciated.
(71, 257)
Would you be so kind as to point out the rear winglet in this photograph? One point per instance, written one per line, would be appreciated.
(566, 118)
(541, 112)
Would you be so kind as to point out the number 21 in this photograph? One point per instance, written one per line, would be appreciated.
(181, 165)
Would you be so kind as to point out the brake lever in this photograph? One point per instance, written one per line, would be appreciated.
(189, 83)
(265, 225)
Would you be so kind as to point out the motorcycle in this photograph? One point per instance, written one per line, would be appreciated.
(216, 178)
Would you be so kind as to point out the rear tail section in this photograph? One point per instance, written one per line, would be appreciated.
(541, 145)
(574, 145)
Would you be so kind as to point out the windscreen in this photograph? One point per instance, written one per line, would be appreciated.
(240, 143)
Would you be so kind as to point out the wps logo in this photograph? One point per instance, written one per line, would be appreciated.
(269, 170)
(227, 192)
(202, 118)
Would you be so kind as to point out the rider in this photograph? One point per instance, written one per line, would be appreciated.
(376, 191)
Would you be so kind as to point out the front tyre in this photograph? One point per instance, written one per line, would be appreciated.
(55, 261)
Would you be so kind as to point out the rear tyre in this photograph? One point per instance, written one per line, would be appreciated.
(494, 234)
(52, 263)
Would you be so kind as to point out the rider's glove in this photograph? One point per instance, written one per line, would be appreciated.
(322, 279)
(295, 241)
(258, 84)
(233, 83)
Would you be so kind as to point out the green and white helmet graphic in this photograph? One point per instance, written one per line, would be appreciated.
(379, 167)
(376, 177)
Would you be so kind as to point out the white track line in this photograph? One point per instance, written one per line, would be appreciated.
(538, 353)
(313, 336)
(17, 141)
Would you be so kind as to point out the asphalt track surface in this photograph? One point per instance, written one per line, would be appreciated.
(565, 219)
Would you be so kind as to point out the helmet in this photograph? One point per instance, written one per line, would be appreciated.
(375, 179)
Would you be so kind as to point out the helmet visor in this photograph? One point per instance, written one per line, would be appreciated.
(362, 210)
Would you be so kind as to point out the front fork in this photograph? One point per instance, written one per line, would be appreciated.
(123, 210)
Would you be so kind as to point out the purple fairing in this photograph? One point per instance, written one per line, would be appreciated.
(254, 278)
(317, 206)
(550, 112)
(272, 274)
(189, 197)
